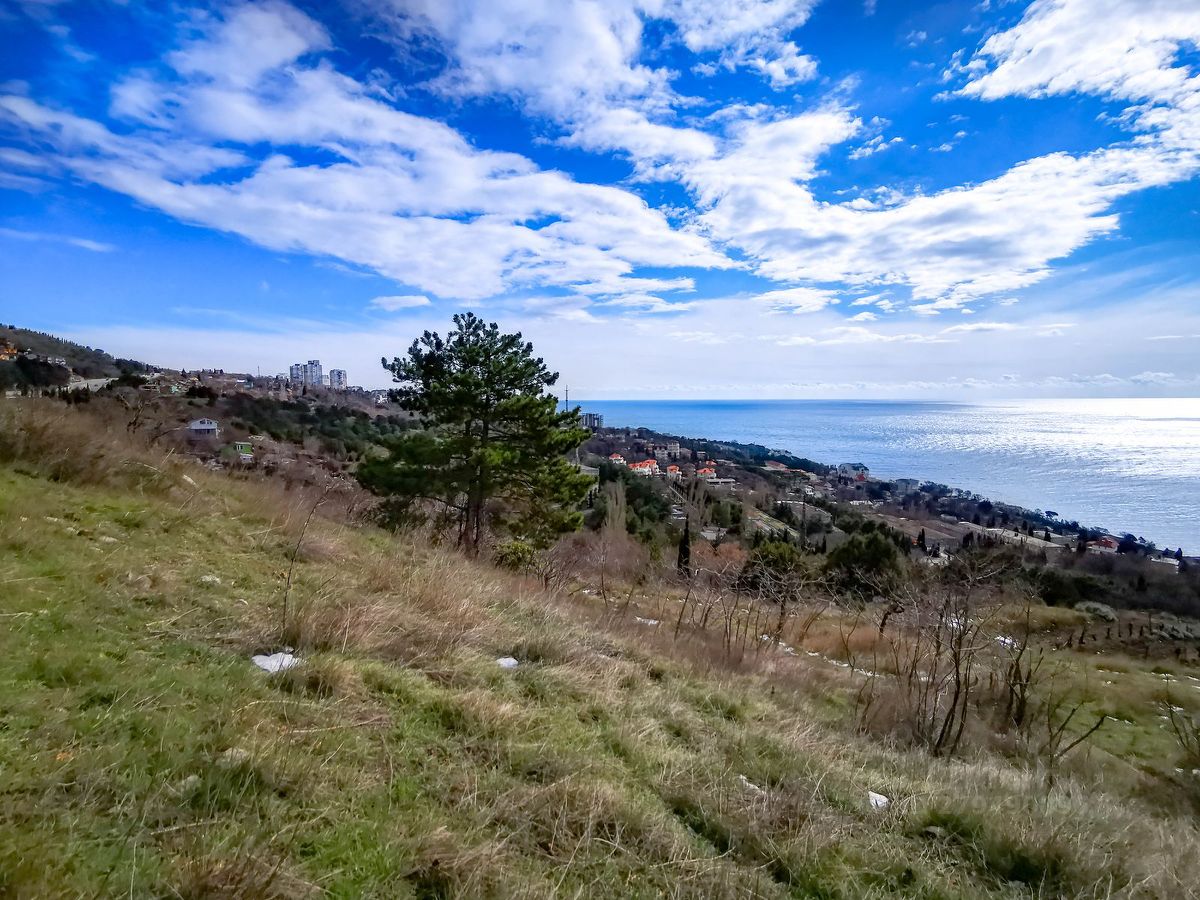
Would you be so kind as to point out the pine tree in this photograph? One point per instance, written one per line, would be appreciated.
(492, 449)
(684, 562)
(921, 540)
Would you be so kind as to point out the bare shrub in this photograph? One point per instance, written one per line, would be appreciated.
(935, 661)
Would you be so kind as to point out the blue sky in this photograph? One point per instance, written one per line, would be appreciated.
(672, 198)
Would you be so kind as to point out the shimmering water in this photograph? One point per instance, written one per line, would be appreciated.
(1126, 465)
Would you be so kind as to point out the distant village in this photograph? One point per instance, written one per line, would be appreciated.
(299, 380)
(938, 519)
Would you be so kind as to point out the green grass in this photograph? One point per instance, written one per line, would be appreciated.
(142, 754)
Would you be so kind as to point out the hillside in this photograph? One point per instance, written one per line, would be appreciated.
(86, 362)
(144, 753)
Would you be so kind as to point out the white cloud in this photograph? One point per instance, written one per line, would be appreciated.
(405, 196)
(699, 337)
(798, 300)
(81, 242)
(980, 326)
(402, 301)
(875, 145)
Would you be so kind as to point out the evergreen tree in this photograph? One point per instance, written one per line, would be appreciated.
(921, 540)
(494, 441)
(684, 562)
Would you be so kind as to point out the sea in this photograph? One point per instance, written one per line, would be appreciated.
(1123, 465)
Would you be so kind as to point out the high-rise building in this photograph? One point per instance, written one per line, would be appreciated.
(307, 374)
(594, 421)
(337, 379)
(313, 374)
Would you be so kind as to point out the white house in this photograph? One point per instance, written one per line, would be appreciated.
(204, 428)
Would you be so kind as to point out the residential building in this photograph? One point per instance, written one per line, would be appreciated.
(337, 379)
(854, 471)
(674, 473)
(645, 467)
(204, 428)
(616, 459)
(907, 485)
(594, 421)
(308, 374)
(707, 473)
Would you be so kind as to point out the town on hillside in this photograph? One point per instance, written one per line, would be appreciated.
(783, 494)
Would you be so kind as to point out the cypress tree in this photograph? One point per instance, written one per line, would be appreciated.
(684, 562)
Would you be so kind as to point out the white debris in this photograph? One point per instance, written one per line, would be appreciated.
(750, 785)
(507, 662)
(275, 662)
(209, 579)
(646, 621)
(233, 757)
(107, 539)
(188, 479)
(878, 801)
(1005, 641)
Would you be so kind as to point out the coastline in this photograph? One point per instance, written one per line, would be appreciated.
(1109, 500)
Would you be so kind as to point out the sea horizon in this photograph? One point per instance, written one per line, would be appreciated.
(1122, 464)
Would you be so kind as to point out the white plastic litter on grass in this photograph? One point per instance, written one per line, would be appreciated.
(507, 662)
(878, 801)
(209, 579)
(275, 662)
(646, 621)
(750, 785)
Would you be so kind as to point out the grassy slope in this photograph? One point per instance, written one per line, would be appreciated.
(402, 761)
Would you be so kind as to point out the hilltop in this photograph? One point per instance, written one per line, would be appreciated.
(624, 754)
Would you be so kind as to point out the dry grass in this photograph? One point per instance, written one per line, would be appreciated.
(616, 760)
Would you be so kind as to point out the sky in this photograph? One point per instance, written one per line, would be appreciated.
(962, 200)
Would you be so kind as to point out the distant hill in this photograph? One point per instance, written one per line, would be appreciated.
(52, 358)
